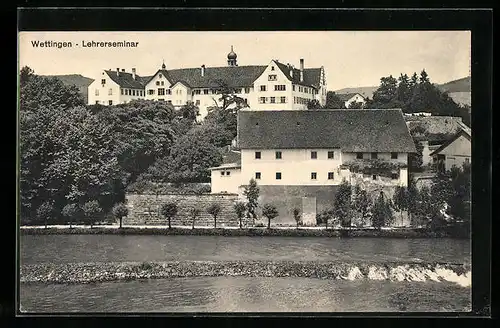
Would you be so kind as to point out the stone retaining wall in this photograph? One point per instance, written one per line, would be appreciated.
(145, 209)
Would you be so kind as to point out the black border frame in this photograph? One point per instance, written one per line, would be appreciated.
(205, 19)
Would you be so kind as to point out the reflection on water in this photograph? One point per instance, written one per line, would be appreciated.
(102, 248)
(245, 294)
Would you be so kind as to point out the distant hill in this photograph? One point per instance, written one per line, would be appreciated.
(78, 80)
(459, 90)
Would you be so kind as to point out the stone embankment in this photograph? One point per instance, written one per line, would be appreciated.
(111, 271)
(284, 232)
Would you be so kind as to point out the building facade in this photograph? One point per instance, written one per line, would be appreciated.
(275, 86)
(455, 152)
(350, 98)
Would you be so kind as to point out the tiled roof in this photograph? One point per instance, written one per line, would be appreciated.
(237, 76)
(312, 76)
(347, 96)
(435, 128)
(125, 80)
(372, 130)
(231, 157)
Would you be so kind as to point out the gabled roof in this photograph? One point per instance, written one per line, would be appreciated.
(125, 80)
(233, 76)
(465, 133)
(435, 128)
(348, 96)
(162, 71)
(364, 130)
(312, 76)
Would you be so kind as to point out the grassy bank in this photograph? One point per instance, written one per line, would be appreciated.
(285, 232)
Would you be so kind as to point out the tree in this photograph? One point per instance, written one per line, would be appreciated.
(194, 212)
(385, 94)
(324, 216)
(119, 211)
(416, 159)
(313, 104)
(228, 97)
(400, 200)
(356, 105)
(381, 212)
(70, 211)
(45, 211)
(239, 208)
(270, 212)
(189, 111)
(296, 216)
(214, 210)
(169, 211)
(333, 101)
(251, 193)
(412, 200)
(91, 209)
(460, 199)
(361, 202)
(342, 209)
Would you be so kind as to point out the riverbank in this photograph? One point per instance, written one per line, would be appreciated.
(66, 273)
(233, 231)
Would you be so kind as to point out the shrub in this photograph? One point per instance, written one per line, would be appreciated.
(169, 211)
(44, 212)
(214, 210)
(296, 216)
(70, 211)
(239, 208)
(90, 210)
(119, 211)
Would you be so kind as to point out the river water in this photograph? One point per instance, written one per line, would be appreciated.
(241, 294)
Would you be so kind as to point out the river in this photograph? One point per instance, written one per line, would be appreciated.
(241, 294)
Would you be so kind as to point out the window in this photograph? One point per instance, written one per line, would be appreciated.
(314, 154)
(168, 91)
(205, 91)
(198, 102)
(228, 173)
(374, 156)
(467, 161)
(197, 92)
(257, 175)
(96, 92)
(278, 175)
(359, 155)
(272, 68)
(151, 91)
(133, 92)
(110, 102)
(330, 175)
(283, 100)
(257, 155)
(103, 81)
(293, 87)
(97, 102)
(157, 82)
(262, 100)
(394, 155)
(222, 172)
(394, 176)
(169, 101)
(278, 155)
(313, 175)
(161, 99)
(330, 154)
(374, 177)
(162, 83)
(280, 87)
(110, 91)
(262, 88)
(271, 78)
(122, 91)
(214, 91)
(161, 91)
(273, 100)
(247, 90)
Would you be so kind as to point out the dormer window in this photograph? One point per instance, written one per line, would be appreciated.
(160, 76)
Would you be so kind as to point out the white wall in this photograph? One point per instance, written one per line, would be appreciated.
(356, 98)
(127, 98)
(225, 183)
(295, 166)
(281, 79)
(180, 94)
(152, 86)
(103, 89)
(458, 152)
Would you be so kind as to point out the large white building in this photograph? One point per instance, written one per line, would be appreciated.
(275, 86)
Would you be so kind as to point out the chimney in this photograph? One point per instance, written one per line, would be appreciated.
(202, 70)
(118, 72)
(301, 69)
(133, 73)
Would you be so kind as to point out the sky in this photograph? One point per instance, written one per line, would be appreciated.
(350, 58)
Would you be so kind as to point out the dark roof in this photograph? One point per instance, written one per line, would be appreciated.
(347, 96)
(125, 80)
(163, 71)
(312, 76)
(231, 157)
(434, 128)
(465, 133)
(233, 76)
(372, 130)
